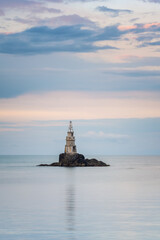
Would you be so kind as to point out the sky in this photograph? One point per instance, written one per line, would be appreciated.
(95, 62)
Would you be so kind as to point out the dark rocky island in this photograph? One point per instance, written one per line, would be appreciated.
(75, 160)
(70, 157)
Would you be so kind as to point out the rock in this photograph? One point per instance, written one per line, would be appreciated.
(71, 160)
(55, 164)
(75, 160)
(43, 165)
(94, 162)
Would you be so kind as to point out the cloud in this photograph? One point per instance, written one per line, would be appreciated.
(11, 130)
(155, 43)
(73, 19)
(147, 37)
(149, 43)
(55, 1)
(103, 135)
(63, 20)
(139, 61)
(81, 0)
(65, 1)
(45, 9)
(141, 28)
(109, 33)
(39, 40)
(144, 32)
(1, 13)
(136, 73)
(113, 12)
(147, 34)
(7, 4)
(31, 5)
(154, 1)
(134, 19)
(18, 4)
(85, 105)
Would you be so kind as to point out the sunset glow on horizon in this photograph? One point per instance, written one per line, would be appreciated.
(80, 105)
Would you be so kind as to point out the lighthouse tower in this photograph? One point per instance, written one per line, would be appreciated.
(70, 146)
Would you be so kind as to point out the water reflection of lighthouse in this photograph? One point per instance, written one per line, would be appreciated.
(70, 206)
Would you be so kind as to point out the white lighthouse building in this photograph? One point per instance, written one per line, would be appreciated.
(70, 146)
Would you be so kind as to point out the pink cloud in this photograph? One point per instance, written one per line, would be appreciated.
(138, 26)
(148, 25)
(127, 27)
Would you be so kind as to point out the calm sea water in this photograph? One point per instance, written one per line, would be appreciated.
(120, 202)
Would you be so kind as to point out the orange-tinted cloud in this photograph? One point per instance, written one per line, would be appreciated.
(138, 26)
(148, 25)
(127, 27)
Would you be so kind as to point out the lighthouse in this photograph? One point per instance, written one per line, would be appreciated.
(70, 146)
(70, 157)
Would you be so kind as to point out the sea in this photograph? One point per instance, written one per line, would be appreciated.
(120, 202)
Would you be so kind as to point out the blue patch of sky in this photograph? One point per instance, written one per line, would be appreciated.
(19, 75)
(35, 78)
(121, 137)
